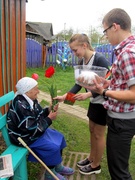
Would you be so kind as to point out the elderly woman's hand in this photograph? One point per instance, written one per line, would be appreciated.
(60, 98)
(55, 108)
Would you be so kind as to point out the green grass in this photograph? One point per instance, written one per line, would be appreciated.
(74, 129)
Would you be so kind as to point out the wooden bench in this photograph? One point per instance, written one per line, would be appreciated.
(19, 154)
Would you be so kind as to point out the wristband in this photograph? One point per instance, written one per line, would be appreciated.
(104, 92)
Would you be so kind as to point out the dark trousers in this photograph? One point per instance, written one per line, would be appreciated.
(119, 137)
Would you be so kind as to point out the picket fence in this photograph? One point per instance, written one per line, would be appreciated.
(57, 53)
(33, 53)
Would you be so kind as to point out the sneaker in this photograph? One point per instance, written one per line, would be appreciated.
(48, 176)
(83, 163)
(87, 170)
(64, 170)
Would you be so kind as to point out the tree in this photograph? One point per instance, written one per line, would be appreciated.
(94, 36)
(64, 35)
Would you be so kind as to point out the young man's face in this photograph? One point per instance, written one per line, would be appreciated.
(112, 33)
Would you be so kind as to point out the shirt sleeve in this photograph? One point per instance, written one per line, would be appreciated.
(75, 89)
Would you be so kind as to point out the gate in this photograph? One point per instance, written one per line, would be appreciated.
(33, 53)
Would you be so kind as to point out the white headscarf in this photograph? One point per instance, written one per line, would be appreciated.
(25, 84)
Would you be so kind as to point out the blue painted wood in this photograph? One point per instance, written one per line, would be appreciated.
(34, 53)
(6, 98)
(18, 153)
(107, 51)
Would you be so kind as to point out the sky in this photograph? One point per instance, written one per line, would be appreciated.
(80, 15)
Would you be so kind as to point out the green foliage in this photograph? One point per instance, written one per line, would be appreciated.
(64, 35)
(34, 170)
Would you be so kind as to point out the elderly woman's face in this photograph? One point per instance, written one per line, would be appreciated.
(32, 94)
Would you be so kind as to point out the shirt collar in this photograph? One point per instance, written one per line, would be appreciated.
(120, 46)
(29, 100)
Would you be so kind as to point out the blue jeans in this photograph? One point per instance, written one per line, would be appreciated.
(119, 137)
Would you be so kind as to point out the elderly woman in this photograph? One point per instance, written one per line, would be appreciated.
(28, 120)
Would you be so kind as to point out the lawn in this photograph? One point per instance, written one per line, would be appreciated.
(74, 129)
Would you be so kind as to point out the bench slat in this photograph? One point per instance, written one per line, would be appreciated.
(3, 128)
(6, 98)
(18, 153)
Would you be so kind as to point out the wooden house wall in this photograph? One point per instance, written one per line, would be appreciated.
(12, 43)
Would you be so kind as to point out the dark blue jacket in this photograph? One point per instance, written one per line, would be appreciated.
(25, 122)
